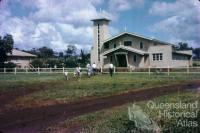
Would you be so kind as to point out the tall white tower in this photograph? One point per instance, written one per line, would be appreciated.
(100, 33)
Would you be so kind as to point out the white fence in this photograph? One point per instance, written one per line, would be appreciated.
(148, 70)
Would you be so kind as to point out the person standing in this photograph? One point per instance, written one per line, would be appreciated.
(111, 67)
(89, 70)
(94, 67)
(88, 67)
(66, 75)
(77, 72)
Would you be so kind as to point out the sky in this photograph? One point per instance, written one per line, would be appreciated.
(59, 23)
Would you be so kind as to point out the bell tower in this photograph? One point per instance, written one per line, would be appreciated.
(100, 34)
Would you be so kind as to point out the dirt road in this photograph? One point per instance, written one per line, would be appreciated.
(34, 119)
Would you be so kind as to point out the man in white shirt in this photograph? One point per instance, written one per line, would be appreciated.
(94, 66)
(111, 67)
(77, 72)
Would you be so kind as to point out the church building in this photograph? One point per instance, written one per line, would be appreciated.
(133, 50)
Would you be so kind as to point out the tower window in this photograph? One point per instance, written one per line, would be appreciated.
(106, 46)
(127, 43)
(98, 54)
(141, 45)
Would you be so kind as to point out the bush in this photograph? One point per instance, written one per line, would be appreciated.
(54, 62)
(196, 64)
(46, 63)
(37, 63)
(10, 65)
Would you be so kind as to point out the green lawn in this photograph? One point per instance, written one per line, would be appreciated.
(116, 120)
(57, 89)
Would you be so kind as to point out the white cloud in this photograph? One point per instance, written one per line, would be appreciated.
(123, 5)
(68, 11)
(57, 23)
(180, 20)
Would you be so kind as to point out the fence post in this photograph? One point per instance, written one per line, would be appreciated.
(63, 70)
(4, 70)
(114, 70)
(38, 70)
(50, 70)
(168, 70)
(149, 70)
(15, 71)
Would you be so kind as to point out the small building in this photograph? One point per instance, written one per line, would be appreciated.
(133, 50)
(20, 58)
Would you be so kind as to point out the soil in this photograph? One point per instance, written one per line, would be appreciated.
(33, 120)
(6, 97)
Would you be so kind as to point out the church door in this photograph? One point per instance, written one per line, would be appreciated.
(121, 58)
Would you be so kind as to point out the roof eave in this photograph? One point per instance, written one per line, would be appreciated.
(98, 19)
(124, 48)
(182, 53)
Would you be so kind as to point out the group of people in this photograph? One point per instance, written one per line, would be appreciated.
(91, 70)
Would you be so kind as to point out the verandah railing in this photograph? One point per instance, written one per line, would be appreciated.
(148, 70)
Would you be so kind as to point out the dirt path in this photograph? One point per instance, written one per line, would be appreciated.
(32, 120)
(6, 97)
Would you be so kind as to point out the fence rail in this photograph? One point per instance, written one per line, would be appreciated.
(148, 70)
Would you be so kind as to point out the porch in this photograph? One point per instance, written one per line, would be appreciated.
(125, 57)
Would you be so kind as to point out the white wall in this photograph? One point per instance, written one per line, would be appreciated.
(166, 50)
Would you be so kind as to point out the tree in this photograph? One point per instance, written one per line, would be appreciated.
(61, 55)
(84, 58)
(71, 62)
(71, 51)
(196, 51)
(6, 46)
(33, 51)
(45, 52)
(37, 63)
(183, 46)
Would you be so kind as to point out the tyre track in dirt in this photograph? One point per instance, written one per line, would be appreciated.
(33, 119)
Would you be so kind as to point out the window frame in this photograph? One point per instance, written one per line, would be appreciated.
(141, 45)
(106, 46)
(114, 45)
(157, 56)
(128, 44)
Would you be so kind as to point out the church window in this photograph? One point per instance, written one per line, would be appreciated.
(127, 43)
(106, 46)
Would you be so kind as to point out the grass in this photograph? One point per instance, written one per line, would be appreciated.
(10, 81)
(58, 90)
(116, 119)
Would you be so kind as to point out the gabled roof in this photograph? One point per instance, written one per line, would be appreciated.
(137, 35)
(125, 48)
(18, 53)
